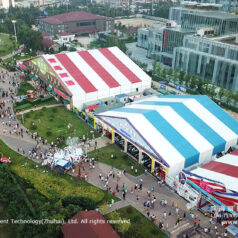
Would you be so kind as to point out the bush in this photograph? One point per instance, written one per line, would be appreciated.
(84, 202)
(27, 115)
(55, 110)
(129, 209)
(33, 127)
(48, 133)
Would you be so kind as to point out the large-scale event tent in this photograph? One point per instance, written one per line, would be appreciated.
(179, 131)
(87, 76)
(224, 170)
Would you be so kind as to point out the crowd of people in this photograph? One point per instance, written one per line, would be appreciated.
(113, 181)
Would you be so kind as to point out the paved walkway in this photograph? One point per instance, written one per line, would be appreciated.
(160, 193)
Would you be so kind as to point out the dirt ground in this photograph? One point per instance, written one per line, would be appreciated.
(140, 22)
(85, 40)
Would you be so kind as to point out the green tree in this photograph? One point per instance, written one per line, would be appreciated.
(193, 82)
(159, 69)
(164, 73)
(176, 75)
(200, 84)
(187, 79)
(221, 93)
(229, 96)
(212, 91)
(181, 77)
(154, 70)
(170, 72)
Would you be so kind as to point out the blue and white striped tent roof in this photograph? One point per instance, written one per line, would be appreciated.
(183, 129)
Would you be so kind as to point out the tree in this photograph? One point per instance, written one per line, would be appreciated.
(221, 93)
(181, 77)
(235, 97)
(164, 73)
(193, 82)
(212, 91)
(187, 79)
(200, 85)
(154, 69)
(176, 75)
(229, 96)
(158, 69)
(170, 72)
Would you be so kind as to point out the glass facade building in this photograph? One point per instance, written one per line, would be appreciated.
(210, 59)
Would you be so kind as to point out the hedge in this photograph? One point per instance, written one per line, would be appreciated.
(26, 103)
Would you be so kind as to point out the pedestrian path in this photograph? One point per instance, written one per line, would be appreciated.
(116, 206)
(39, 108)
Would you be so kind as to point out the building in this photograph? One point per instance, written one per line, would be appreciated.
(161, 39)
(46, 35)
(211, 58)
(193, 19)
(7, 3)
(170, 133)
(81, 229)
(222, 5)
(82, 78)
(65, 36)
(77, 22)
(50, 44)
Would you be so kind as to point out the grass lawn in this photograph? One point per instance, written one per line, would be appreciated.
(6, 230)
(120, 159)
(54, 123)
(48, 183)
(6, 45)
(24, 87)
(140, 226)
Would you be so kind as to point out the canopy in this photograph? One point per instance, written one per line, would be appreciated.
(180, 130)
(224, 169)
(90, 108)
(5, 160)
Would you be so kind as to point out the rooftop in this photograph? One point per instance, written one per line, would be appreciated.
(73, 16)
(213, 14)
(89, 229)
(65, 34)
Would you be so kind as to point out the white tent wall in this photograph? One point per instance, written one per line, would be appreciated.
(90, 97)
(125, 88)
(136, 86)
(114, 91)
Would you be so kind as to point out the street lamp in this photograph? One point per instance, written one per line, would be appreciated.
(14, 25)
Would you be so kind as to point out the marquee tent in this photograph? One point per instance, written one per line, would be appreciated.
(224, 169)
(87, 76)
(180, 131)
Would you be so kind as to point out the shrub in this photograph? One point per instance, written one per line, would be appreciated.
(84, 202)
(33, 127)
(27, 115)
(55, 110)
(129, 209)
(48, 133)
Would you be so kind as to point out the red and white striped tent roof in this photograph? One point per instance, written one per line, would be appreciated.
(96, 74)
(224, 169)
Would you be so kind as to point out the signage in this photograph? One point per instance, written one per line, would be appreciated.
(43, 67)
(124, 132)
(165, 39)
(182, 178)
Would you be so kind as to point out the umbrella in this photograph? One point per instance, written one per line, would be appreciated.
(5, 160)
